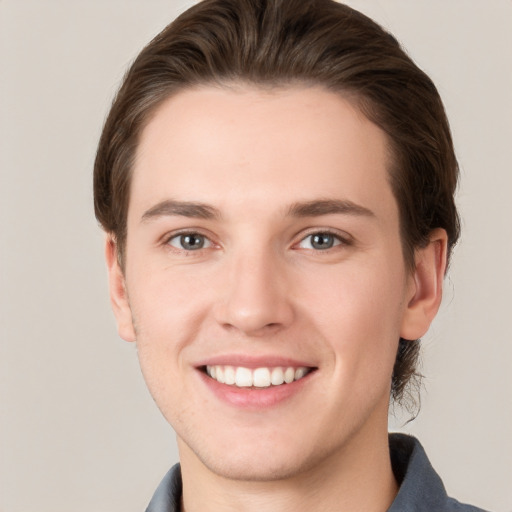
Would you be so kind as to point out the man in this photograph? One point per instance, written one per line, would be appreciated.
(276, 182)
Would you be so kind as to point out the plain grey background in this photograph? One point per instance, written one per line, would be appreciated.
(78, 430)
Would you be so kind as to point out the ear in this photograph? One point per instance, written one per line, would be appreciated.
(425, 286)
(118, 295)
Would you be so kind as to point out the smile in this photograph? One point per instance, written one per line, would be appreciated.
(264, 377)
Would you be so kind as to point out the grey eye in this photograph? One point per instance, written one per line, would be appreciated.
(319, 241)
(189, 242)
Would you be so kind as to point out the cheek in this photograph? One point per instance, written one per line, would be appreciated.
(166, 313)
(361, 297)
(165, 300)
(168, 308)
(360, 312)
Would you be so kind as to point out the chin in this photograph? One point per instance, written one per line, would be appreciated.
(251, 461)
(261, 469)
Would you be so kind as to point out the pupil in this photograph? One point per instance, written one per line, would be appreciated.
(192, 242)
(322, 241)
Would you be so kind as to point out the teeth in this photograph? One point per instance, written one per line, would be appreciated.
(243, 377)
(299, 373)
(277, 376)
(229, 375)
(289, 375)
(260, 377)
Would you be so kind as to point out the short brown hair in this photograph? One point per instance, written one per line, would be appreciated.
(274, 43)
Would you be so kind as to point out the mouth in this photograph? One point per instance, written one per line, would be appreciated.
(259, 378)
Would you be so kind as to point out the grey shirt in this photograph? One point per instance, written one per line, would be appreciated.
(421, 489)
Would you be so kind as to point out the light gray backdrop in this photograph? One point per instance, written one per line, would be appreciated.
(78, 430)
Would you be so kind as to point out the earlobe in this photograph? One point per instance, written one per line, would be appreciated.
(118, 295)
(426, 286)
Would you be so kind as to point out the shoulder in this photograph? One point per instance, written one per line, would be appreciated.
(167, 497)
(421, 488)
(456, 506)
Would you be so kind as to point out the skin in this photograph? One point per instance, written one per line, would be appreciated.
(259, 288)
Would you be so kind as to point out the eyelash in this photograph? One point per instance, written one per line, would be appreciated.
(180, 235)
(338, 240)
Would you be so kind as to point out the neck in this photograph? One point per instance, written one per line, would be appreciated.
(357, 477)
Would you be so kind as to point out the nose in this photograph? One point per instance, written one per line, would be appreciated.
(256, 299)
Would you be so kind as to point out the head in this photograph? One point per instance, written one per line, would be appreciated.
(278, 44)
(275, 44)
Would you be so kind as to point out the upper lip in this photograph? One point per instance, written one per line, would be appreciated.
(243, 360)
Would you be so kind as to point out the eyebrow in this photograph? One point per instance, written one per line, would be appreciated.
(170, 207)
(320, 207)
(315, 208)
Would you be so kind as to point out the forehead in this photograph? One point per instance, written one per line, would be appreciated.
(241, 145)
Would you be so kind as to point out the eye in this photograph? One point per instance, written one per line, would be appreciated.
(320, 241)
(189, 242)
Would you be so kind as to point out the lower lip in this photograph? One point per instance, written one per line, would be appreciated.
(254, 398)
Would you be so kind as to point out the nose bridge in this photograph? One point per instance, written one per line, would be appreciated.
(255, 298)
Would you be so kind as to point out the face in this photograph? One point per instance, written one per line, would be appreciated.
(265, 283)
